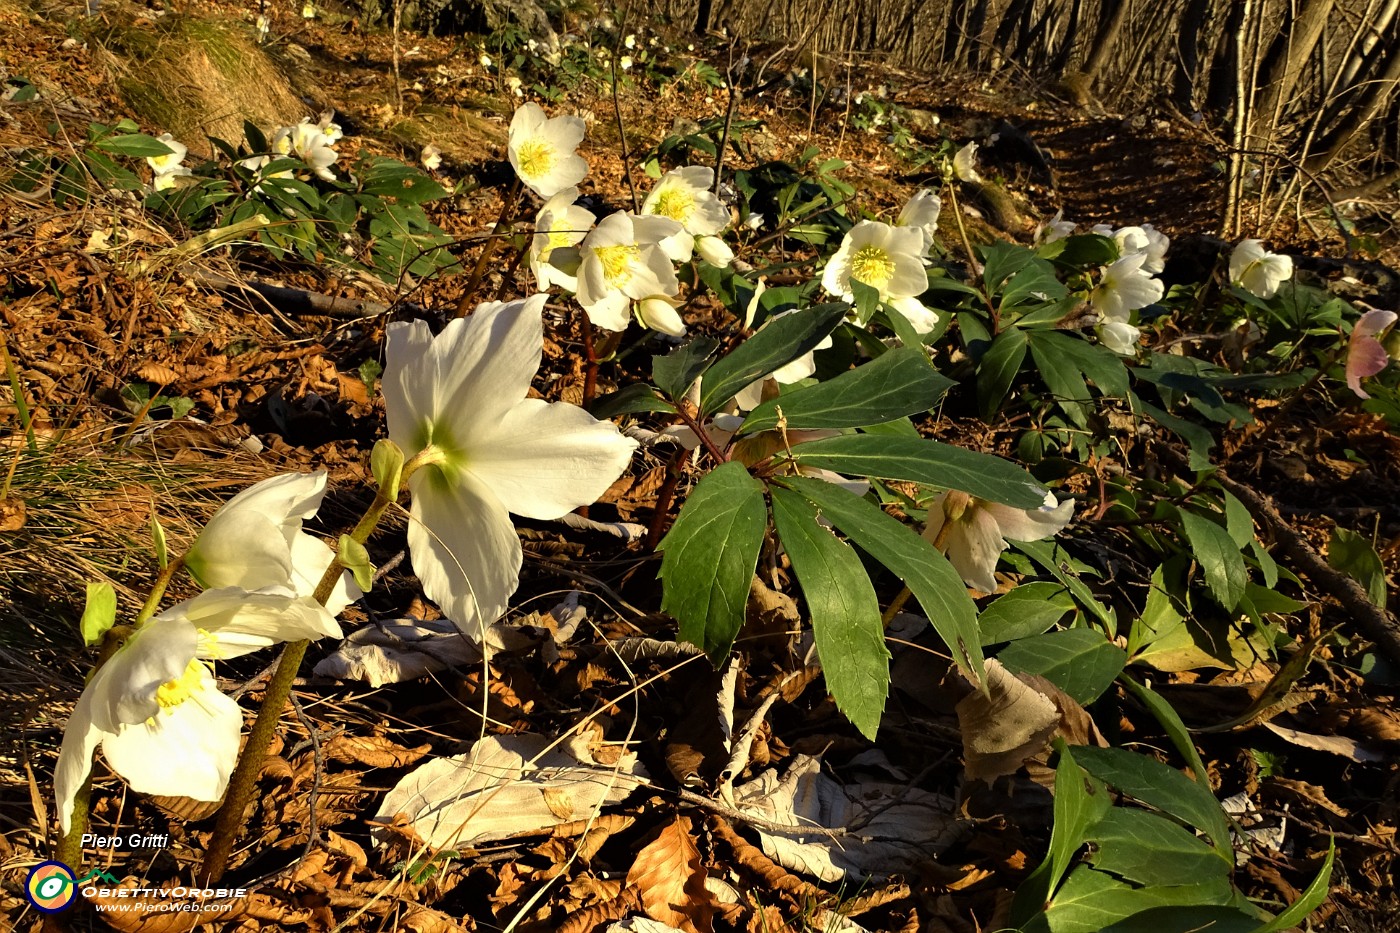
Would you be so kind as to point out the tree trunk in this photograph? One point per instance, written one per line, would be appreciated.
(1286, 59)
(1188, 61)
(1377, 96)
(1112, 17)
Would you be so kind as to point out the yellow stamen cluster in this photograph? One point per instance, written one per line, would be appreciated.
(873, 266)
(617, 262)
(676, 202)
(536, 158)
(172, 693)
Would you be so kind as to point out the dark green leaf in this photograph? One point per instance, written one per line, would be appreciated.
(1085, 251)
(638, 398)
(677, 371)
(1213, 919)
(927, 462)
(782, 341)
(997, 370)
(1001, 261)
(1036, 282)
(1062, 377)
(1057, 561)
(1091, 901)
(1220, 559)
(1030, 609)
(927, 573)
(1162, 788)
(136, 145)
(1080, 661)
(1080, 802)
(1354, 556)
(902, 382)
(845, 612)
(709, 555)
(1145, 848)
(1171, 722)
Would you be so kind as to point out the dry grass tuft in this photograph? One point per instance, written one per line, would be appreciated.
(196, 77)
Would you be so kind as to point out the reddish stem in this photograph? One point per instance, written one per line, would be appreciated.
(674, 470)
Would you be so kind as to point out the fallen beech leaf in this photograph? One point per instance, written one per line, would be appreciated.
(502, 788)
(671, 881)
(373, 750)
(1336, 744)
(889, 826)
(425, 920)
(1004, 727)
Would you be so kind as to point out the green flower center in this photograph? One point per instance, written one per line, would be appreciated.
(873, 266)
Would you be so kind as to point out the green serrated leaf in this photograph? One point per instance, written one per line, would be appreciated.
(1062, 377)
(709, 556)
(1163, 788)
(1171, 723)
(677, 371)
(783, 340)
(99, 613)
(1219, 557)
(355, 558)
(1029, 609)
(136, 145)
(899, 383)
(933, 581)
(1145, 848)
(845, 612)
(1080, 661)
(638, 398)
(927, 462)
(1208, 919)
(1354, 556)
(1091, 901)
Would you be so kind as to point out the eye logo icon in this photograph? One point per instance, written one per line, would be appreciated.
(51, 887)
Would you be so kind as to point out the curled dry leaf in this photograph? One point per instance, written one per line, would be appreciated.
(426, 920)
(861, 829)
(373, 750)
(505, 786)
(1012, 722)
(12, 513)
(158, 373)
(670, 880)
(399, 650)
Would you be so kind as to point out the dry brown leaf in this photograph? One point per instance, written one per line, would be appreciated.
(185, 808)
(373, 750)
(670, 880)
(426, 920)
(559, 801)
(1002, 730)
(158, 373)
(12, 513)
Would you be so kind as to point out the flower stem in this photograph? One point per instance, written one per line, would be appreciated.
(250, 761)
(674, 470)
(502, 229)
(940, 543)
(167, 573)
(590, 372)
(70, 847)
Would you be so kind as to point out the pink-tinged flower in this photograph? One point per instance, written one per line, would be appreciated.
(980, 530)
(1365, 355)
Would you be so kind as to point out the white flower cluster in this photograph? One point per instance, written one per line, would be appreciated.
(622, 266)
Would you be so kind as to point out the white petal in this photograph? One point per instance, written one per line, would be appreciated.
(187, 750)
(1031, 524)
(974, 545)
(1119, 337)
(310, 558)
(80, 739)
(922, 318)
(547, 459)
(464, 549)
(232, 622)
(715, 251)
(240, 548)
(124, 689)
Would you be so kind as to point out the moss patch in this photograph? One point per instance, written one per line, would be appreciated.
(196, 77)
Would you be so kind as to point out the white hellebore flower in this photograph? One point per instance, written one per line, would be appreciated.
(1056, 228)
(305, 141)
(255, 541)
(1125, 287)
(965, 164)
(1144, 239)
(329, 128)
(541, 150)
(980, 530)
(623, 260)
(156, 709)
(560, 225)
(1257, 270)
(921, 213)
(431, 157)
(889, 260)
(462, 394)
(684, 195)
(166, 169)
